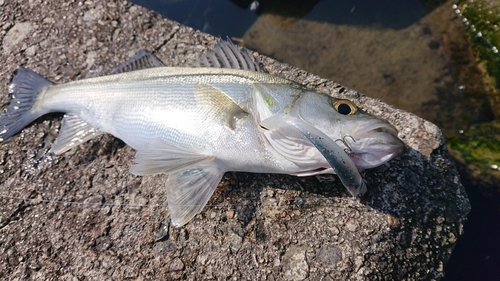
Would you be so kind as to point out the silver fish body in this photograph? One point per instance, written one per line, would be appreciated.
(197, 123)
(209, 110)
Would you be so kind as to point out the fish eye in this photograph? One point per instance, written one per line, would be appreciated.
(344, 107)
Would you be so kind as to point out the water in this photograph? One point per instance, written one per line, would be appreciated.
(218, 17)
(477, 254)
(412, 54)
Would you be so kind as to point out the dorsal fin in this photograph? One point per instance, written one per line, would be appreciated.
(141, 60)
(226, 55)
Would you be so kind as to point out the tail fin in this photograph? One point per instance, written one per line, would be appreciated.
(24, 89)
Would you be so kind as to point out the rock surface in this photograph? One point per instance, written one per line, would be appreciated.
(82, 215)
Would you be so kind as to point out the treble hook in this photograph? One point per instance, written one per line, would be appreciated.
(347, 149)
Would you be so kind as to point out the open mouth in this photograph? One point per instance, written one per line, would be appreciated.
(375, 144)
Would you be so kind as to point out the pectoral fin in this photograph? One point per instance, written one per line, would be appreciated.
(261, 105)
(334, 154)
(218, 105)
(188, 191)
(73, 132)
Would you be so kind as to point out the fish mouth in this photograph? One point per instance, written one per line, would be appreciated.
(375, 126)
(374, 143)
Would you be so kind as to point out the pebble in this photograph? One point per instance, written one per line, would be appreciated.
(91, 58)
(335, 230)
(31, 51)
(328, 256)
(295, 264)
(6, 26)
(15, 35)
(230, 214)
(92, 15)
(351, 225)
(176, 265)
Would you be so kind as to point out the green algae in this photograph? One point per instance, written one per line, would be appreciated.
(478, 152)
(482, 19)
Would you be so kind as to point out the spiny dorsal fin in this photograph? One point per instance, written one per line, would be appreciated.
(141, 60)
(226, 55)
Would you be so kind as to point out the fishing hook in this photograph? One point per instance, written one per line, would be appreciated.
(347, 149)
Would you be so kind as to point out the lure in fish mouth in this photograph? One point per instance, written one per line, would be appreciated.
(336, 157)
(194, 123)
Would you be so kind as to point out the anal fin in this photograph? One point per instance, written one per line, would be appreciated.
(73, 132)
(188, 191)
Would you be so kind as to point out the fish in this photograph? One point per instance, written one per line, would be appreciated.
(195, 122)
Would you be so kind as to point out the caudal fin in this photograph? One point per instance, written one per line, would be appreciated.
(23, 91)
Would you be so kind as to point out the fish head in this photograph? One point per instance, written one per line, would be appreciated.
(368, 140)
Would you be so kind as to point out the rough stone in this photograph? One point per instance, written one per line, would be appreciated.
(82, 215)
